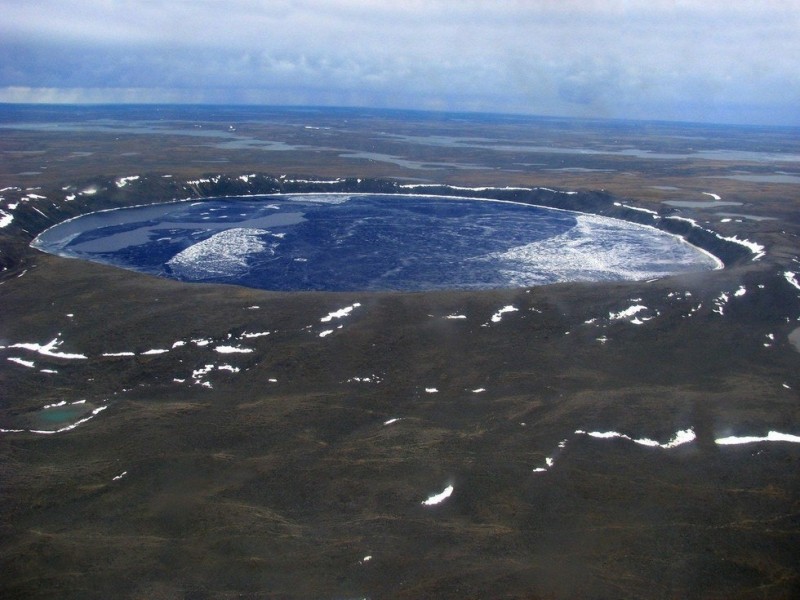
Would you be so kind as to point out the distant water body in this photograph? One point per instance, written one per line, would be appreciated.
(378, 242)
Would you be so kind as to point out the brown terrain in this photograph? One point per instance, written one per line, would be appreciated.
(300, 469)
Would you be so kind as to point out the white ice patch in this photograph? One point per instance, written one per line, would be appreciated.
(390, 421)
(498, 316)
(627, 313)
(25, 363)
(120, 476)
(123, 181)
(318, 197)
(714, 196)
(325, 333)
(632, 314)
(5, 218)
(431, 390)
(757, 249)
(342, 312)
(720, 302)
(600, 248)
(233, 350)
(223, 255)
(155, 352)
(49, 349)
(248, 336)
(369, 379)
(202, 372)
(440, 497)
(772, 436)
(456, 317)
(644, 210)
(118, 354)
(792, 279)
(681, 437)
(754, 247)
(478, 390)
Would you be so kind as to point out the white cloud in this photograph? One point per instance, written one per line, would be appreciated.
(611, 58)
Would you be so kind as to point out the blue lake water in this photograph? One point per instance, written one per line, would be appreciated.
(345, 242)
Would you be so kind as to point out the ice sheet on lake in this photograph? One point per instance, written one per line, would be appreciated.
(223, 255)
(599, 248)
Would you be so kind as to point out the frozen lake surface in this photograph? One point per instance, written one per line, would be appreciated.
(341, 242)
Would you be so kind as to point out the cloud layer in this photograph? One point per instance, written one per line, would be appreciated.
(691, 60)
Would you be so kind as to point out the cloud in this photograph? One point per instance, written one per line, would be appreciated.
(610, 58)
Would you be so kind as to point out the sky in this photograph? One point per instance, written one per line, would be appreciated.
(724, 61)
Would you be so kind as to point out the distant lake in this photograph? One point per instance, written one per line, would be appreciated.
(339, 242)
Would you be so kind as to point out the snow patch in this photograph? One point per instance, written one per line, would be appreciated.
(233, 350)
(49, 349)
(792, 279)
(498, 316)
(123, 181)
(25, 363)
(440, 497)
(644, 210)
(681, 437)
(5, 218)
(338, 314)
(772, 436)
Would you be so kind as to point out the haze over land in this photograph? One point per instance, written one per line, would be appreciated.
(694, 60)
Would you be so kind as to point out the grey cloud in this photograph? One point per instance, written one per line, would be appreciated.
(610, 58)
